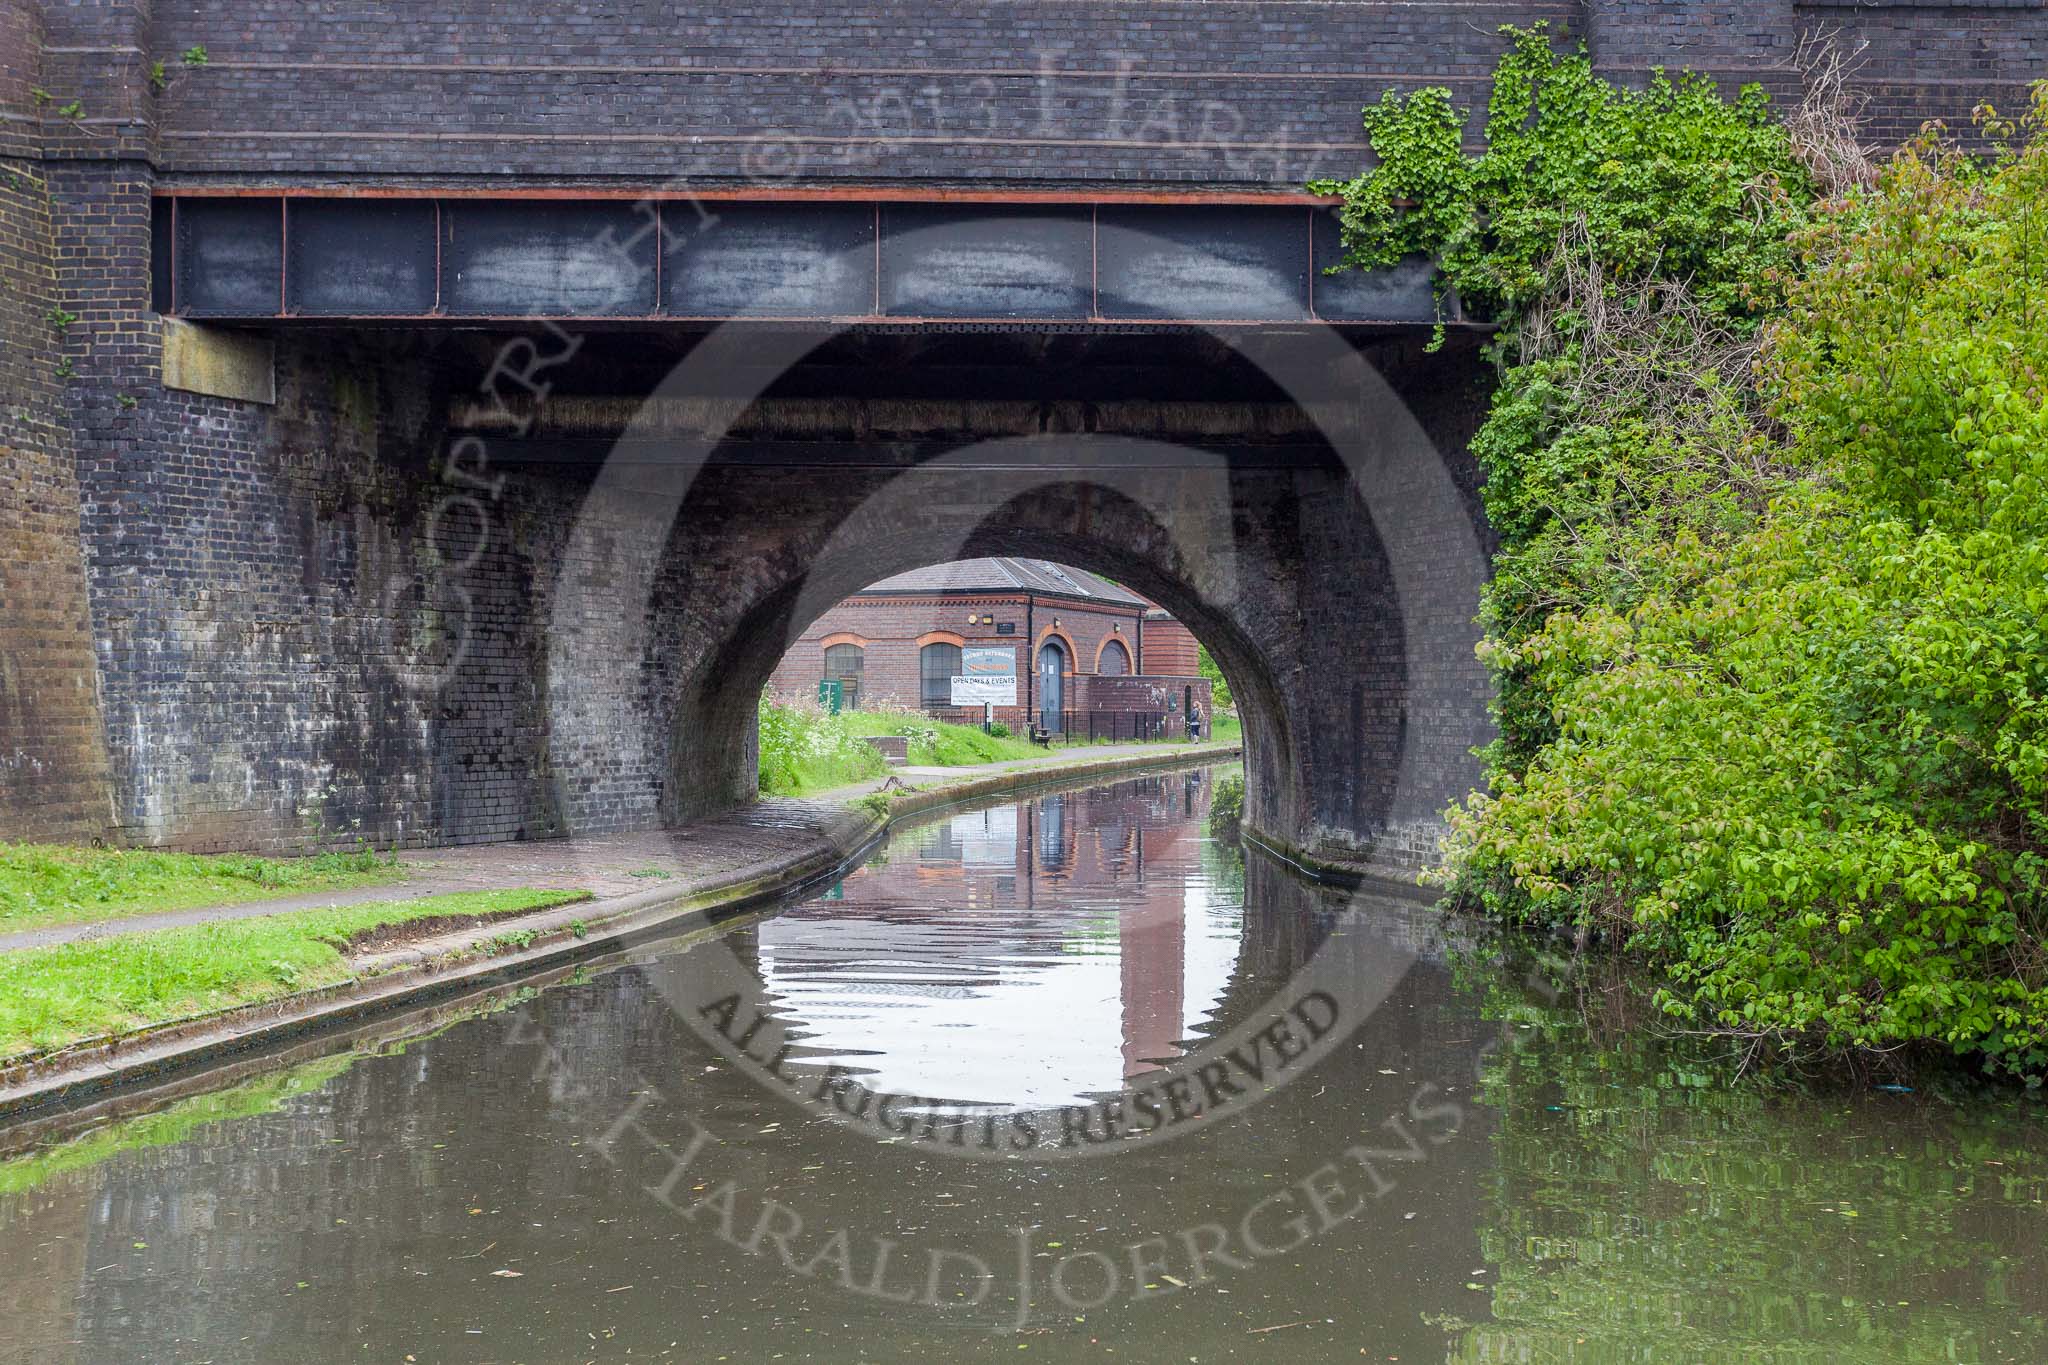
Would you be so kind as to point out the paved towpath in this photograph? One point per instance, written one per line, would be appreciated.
(608, 866)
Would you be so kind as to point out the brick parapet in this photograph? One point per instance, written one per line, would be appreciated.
(1132, 92)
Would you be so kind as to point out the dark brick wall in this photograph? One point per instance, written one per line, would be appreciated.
(965, 90)
(1129, 91)
(21, 58)
(53, 770)
(1930, 59)
(290, 659)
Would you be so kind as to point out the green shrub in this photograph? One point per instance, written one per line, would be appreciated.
(1219, 689)
(1771, 474)
(1813, 782)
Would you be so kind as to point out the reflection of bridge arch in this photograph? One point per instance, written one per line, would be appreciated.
(1102, 917)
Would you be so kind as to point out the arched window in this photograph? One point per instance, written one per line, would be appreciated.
(936, 665)
(846, 663)
(1115, 661)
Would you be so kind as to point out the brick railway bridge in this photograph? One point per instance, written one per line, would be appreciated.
(429, 425)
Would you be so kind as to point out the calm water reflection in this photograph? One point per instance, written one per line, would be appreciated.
(1470, 1175)
(1091, 909)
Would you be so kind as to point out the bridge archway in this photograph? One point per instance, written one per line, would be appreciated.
(973, 512)
(1333, 582)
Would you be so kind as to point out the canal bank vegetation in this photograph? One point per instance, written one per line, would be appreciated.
(806, 750)
(1769, 462)
(1220, 698)
(46, 884)
(94, 988)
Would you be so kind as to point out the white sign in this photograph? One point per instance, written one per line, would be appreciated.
(970, 691)
(988, 677)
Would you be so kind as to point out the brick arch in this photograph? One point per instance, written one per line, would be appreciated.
(1130, 659)
(941, 637)
(844, 637)
(1066, 643)
(834, 548)
(1336, 595)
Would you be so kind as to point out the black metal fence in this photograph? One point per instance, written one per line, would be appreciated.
(1084, 727)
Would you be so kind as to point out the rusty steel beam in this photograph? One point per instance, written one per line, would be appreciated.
(1030, 260)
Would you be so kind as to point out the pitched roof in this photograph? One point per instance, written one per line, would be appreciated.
(1009, 575)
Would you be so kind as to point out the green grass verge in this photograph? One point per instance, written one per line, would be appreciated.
(805, 751)
(46, 884)
(936, 744)
(50, 997)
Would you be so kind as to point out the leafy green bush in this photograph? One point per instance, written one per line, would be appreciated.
(997, 730)
(1771, 473)
(1670, 180)
(1814, 782)
(1628, 243)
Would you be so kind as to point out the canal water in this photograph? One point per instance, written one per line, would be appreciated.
(1063, 1080)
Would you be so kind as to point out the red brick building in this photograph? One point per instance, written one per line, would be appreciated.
(1089, 656)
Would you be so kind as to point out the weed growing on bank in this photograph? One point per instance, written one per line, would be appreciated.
(805, 749)
(937, 744)
(1226, 808)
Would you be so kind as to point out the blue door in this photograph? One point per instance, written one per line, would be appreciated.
(1052, 686)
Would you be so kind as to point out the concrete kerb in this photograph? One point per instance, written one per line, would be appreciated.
(448, 965)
